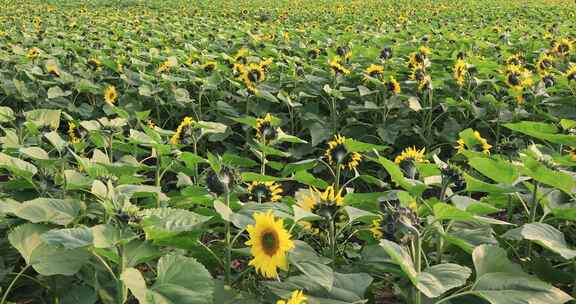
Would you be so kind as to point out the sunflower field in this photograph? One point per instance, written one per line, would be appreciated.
(288, 152)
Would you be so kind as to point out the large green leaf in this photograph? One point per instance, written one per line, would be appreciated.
(438, 279)
(17, 166)
(401, 257)
(50, 210)
(545, 235)
(69, 238)
(51, 260)
(499, 171)
(25, 238)
(542, 131)
(165, 222)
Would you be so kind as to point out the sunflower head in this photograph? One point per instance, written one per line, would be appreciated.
(337, 68)
(265, 129)
(264, 191)
(269, 244)
(459, 72)
(94, 64)
(53, 70)
(386, 53)
(393, 86)
(563, 47)
(330, 196)
(183, 131)
(421, 77)
(548, 80)
(338, 154)
(73, 134)
(33, 53)
(376, 228)
(241, 56)
(110, 95)
(544, 64)
(409, 157)
(571, 73)
(476, 143)
(221, 182)
(297, 297)
(374, 71)
(515, 59)
(253, 73)
(517, 77)
(416, 60)
(209, 66)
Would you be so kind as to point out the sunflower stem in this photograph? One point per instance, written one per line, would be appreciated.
(5, 296)
(228, 246)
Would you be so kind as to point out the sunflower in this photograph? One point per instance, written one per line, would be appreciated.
(265, 191)
(264, 128)
(393, 86)
(515, 59)
(419, 75)
(544, 64)
(337, 67)
(181, 130)
(33, 53)
(411, 154)
(94, 64)
(386, 53)
(73, 134)
(376, 228)
(314, 53)
(480, 144)
(330, 197)
(241, 56)
(164, 67)
(338, 154)
(459, 72)
(269, 243)
(517, 77)
(209, 66)
(571, 73)
(110, 95)
(297, 297)
(265, 64)
(374, 71)
(52, 70)
(238, 71)
(416, 60)
(563, 47)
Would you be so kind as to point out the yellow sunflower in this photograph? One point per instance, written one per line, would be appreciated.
(459, 72)
(563, 47)
(338, 154)
(544, 64)
(52, 70)
(419, 75)
(266, 63)
(393, 86)
(94, 64)
(269, 243)
(241, 56)
(110, 95)
(480, 144)
(411, 154)
(337, 68)
(253, 74)
(72, 133)
(330, 197)
(297, 297)
(183, 128)
(265, 191)
(264, 128)
(33, 53)
(515, 59)
(517, 77)
(374, 71)
(376, 228)
(209, 66)
(571, 73)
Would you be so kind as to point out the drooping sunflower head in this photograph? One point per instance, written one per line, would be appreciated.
(337, 68)
(411, 155)
(393, 86)
(264, 191)
(94, 64)
(375, 71)
(110, 94)
(416, 60)
(386, 53)
(548, 80)
(209, 66)
(544, 64)
(183, 131)
(269, 244)
(571, 73)
(563, 47)
(238, 71)
(344, 52)
(459, 72)
(307, 199)
(33, 53)
(73, 134)
(338, 154)
(477, 143)
(221, 182)
(297, 297)
(421, 77)
(330, 197)
(265, 129)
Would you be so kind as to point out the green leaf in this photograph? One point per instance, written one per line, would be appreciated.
(107, 235)
(56, 141)
(6, 114)
(308, 179)
(353, 145)
(51, 260)
(35, 153)
(138, 251)
(69, 238)
(183, 280)
(134, 280)
(438, 279)
(56, 91)
(499, 171)
(475, 185)
(544, 235)
(44, 118)
(17, 166)
(251, 176)
(50, 210)
(401, 257)
(545, 175)
(412, 186)
(321, 274)
(355, 214)
(25, 238)
(488, 259)
(543, 131)
(165, 222)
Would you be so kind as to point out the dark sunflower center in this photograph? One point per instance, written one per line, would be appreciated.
(514, 61)
(375, 74)
(513, 79)
(339, 153)
(391, 86)
(209, 67)
(419, 75)
(241, 59)
(419, 58)
(545, 64)
(386, 53)
(572, 76)
(563, 48)
(261, 192)
(548, 81)
(254, 75)
(270, 242)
